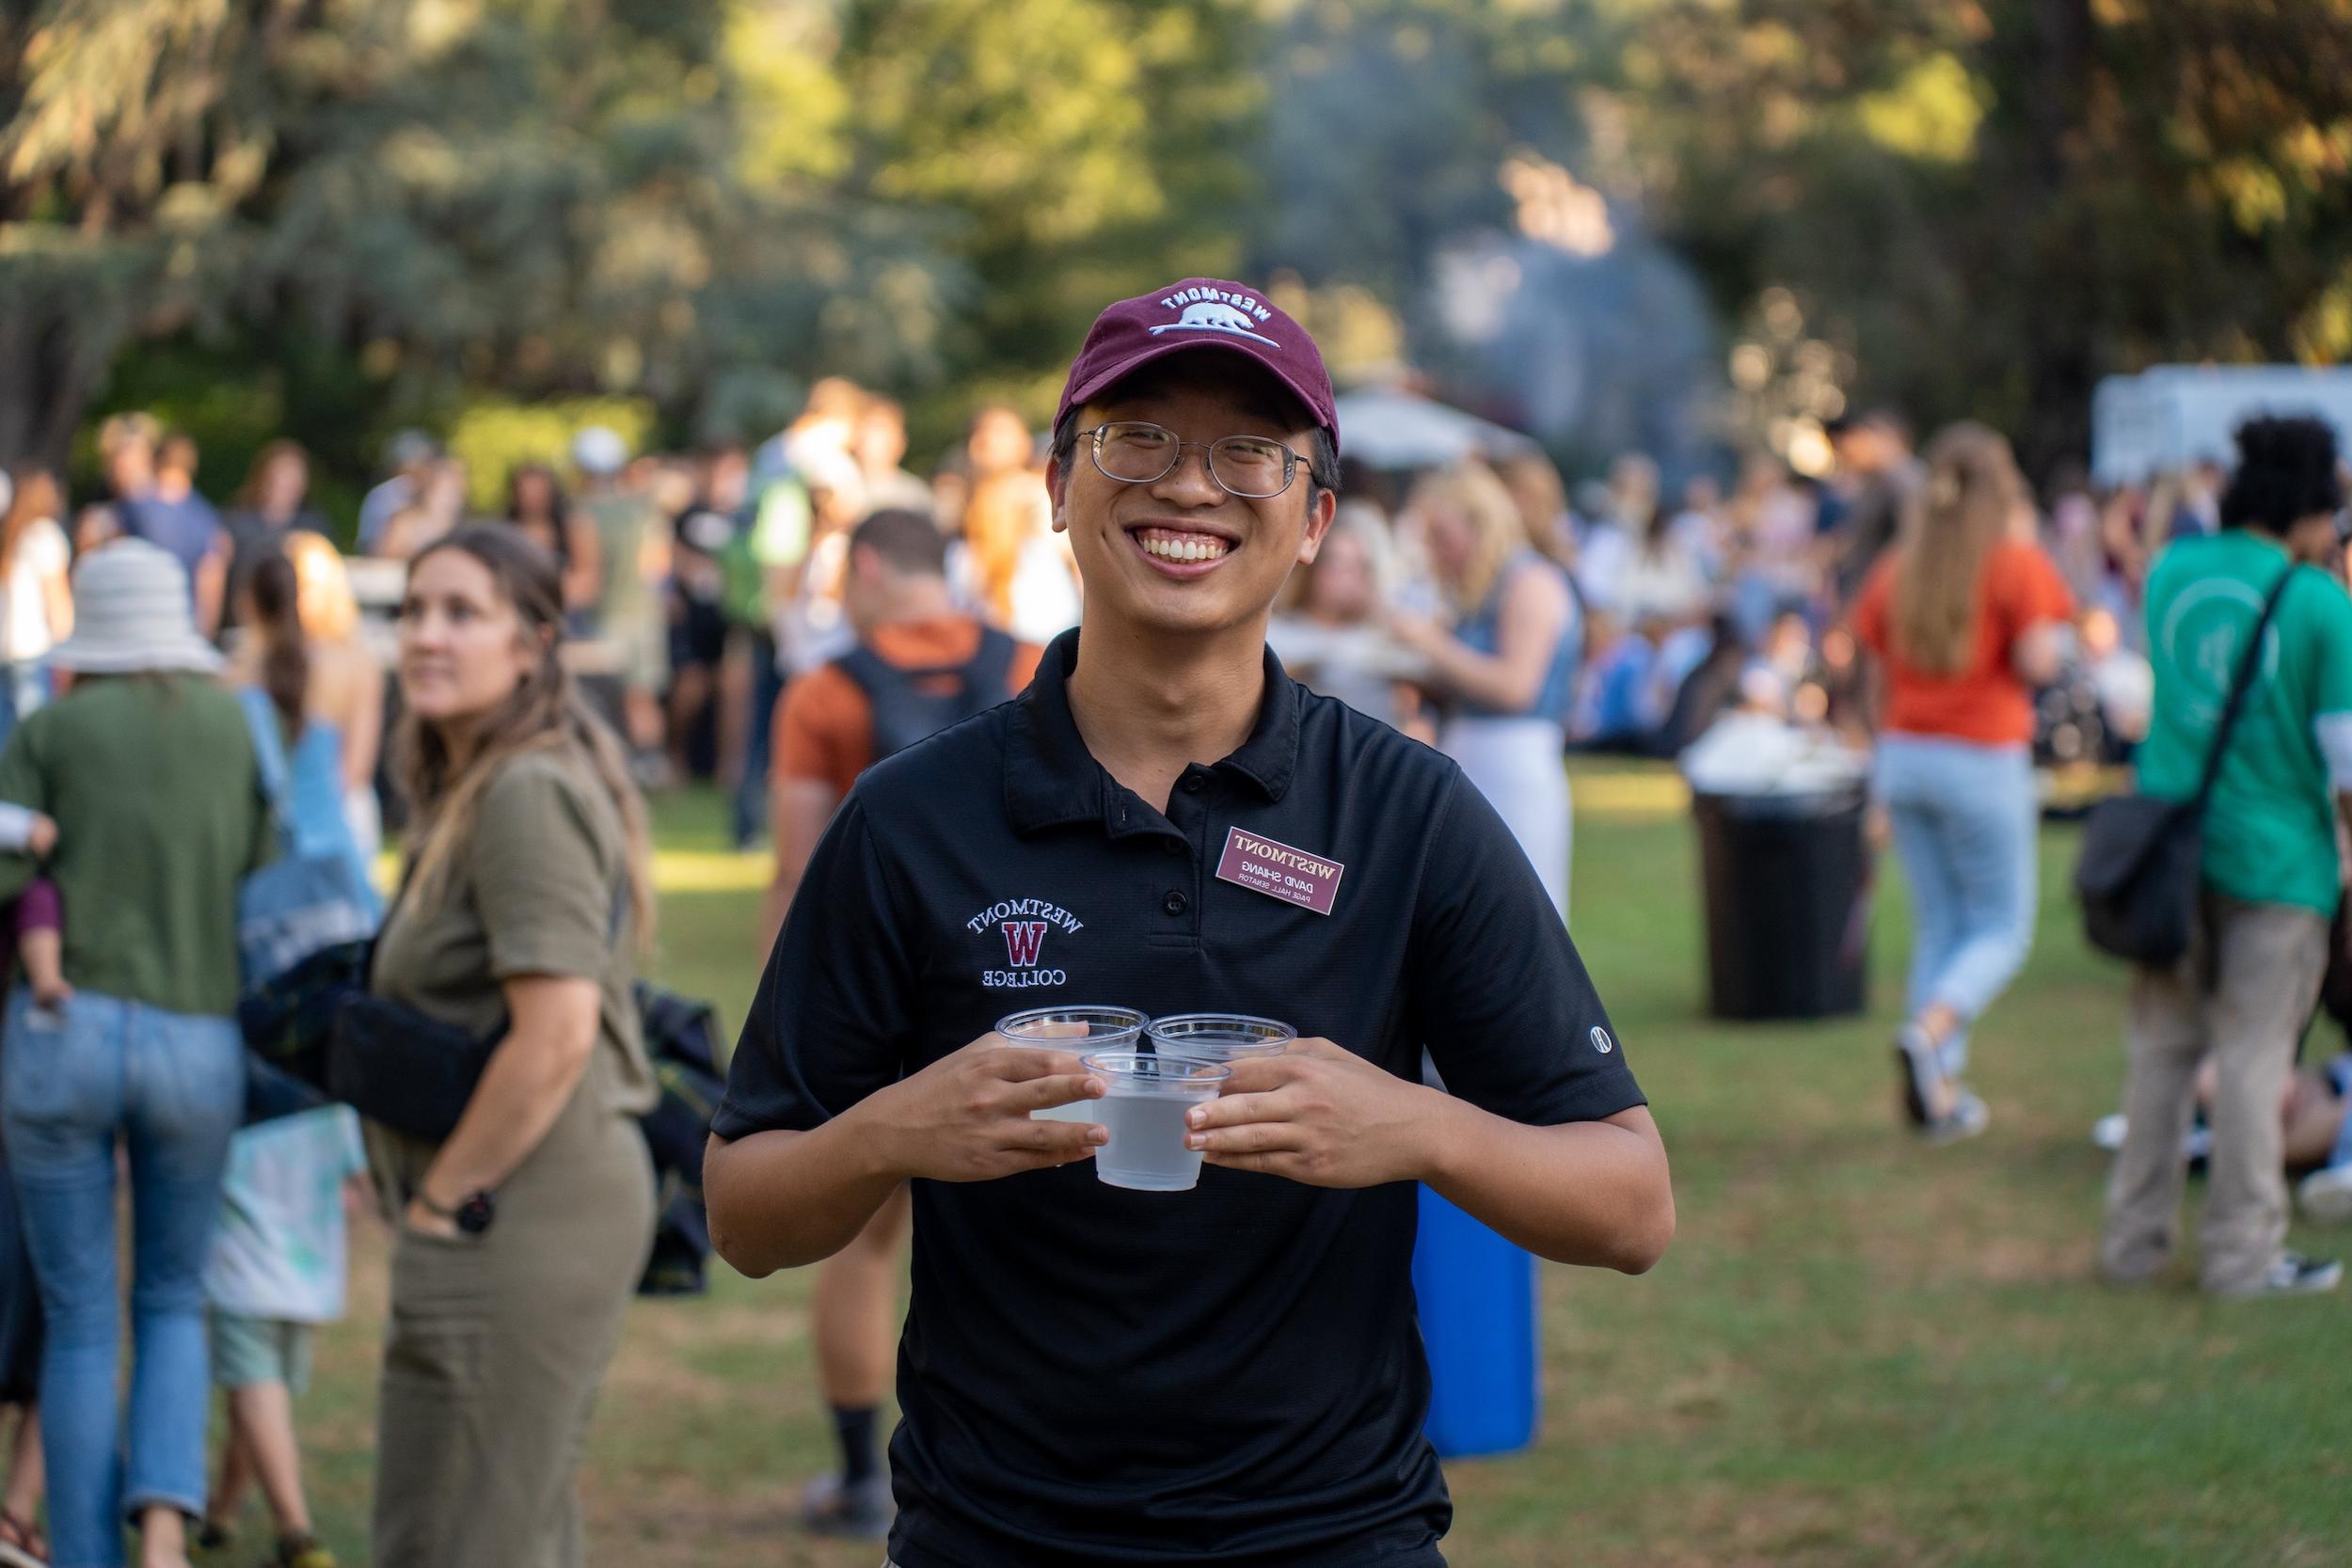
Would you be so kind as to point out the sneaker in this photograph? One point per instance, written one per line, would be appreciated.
(2107, 1134)
(2293, 1274)
(1967, 1117)
(22, 1544)
(1920, 1070)
(302, 1551)
(861, 1512)
(2326, 1194)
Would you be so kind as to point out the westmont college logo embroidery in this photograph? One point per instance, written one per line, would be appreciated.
(1216, 311)
(1025, 923)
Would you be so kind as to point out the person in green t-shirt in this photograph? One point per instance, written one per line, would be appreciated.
(146, 766)
(2270, 870)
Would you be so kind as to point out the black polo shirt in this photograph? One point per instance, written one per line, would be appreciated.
(1093, 1376)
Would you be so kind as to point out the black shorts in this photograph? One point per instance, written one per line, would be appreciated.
(698, 638)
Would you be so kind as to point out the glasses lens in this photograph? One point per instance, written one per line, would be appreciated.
(1249, 466)
(1135, 452)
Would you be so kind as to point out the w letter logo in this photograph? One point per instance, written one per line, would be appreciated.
(1024, 941)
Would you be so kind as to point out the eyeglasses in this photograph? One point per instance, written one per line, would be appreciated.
(1135, 452)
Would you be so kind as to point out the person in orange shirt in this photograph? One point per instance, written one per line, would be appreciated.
(920, 667)
(1966, 618)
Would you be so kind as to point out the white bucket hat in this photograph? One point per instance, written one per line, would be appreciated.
(599, 451)
(131, 614)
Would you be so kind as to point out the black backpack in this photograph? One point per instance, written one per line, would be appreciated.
(681, 1040)
(914, 705)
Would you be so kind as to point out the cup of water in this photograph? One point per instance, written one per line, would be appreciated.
(1219, 1037)
(1144, 1115)
(1077, 1030)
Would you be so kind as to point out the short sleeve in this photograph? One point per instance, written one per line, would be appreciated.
(21, 784)
(824, 731)
(1871, 605)
(44, 549)
(545, 893)
(835, 1009)
(781, 529)
(2331, 683)
(2032, 591)
(1500, 997)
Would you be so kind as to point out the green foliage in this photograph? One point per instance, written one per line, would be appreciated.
(702, 204)
(494, 436)
(1088, 149)
(1989, 205)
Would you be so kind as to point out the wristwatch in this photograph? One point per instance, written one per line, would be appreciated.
(472, 1217)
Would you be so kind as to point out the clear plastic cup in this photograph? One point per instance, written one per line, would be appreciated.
(1219, 1037)
(1074, 1029)
(1144, 1114)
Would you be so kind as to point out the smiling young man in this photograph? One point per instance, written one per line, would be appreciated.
(1163, 821)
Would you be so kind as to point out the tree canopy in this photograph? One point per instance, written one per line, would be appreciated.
(1970, 208)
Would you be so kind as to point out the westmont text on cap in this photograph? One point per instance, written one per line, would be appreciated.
(1200, 313)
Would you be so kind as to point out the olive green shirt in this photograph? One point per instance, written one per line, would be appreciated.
(151, 782)
(537, 886)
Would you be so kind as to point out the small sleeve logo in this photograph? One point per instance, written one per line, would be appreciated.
(1602, 1043)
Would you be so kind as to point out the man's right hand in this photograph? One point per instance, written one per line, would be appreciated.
(965, 1117)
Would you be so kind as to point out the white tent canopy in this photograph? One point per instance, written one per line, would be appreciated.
(1386, 428)
(2176, 415)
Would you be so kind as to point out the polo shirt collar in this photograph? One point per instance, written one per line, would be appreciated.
(1052, 780)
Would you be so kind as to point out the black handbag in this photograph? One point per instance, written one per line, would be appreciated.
(2142, 857)
(402, 1068)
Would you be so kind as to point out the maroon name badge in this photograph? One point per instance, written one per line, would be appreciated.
(1280, 871)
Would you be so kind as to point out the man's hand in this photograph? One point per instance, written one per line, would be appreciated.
(1319, 1115)
(43, 836)
(965, 1117)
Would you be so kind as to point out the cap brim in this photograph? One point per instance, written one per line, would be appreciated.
(1103, 380)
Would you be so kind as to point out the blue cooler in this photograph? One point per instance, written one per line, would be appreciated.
(1477, 1296)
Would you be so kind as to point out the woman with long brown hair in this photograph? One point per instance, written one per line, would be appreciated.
(522, 1234)
(1964, 616)
(36, 596)
(1506, 668)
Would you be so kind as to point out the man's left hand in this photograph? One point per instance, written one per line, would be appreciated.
(1318, 1115)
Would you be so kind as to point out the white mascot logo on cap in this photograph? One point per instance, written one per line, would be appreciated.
(1210, 315)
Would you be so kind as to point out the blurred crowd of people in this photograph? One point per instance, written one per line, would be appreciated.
(779, 616)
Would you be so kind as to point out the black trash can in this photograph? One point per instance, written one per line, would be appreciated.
(1787, 916)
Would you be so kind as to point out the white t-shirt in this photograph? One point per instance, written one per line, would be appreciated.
(41, 554)
(280, 1249)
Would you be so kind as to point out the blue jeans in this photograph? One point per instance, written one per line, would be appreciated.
(1965, 820)
(171, 1087)
(750, 791)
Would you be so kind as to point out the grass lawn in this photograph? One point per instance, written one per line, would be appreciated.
(1860, 1351)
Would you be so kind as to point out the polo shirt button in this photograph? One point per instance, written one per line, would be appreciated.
(1191, 784)
(1175, 903)
(1173, 845)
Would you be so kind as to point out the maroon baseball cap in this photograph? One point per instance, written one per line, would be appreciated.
(1200, 313)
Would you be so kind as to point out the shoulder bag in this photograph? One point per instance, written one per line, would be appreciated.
(2142, 857)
